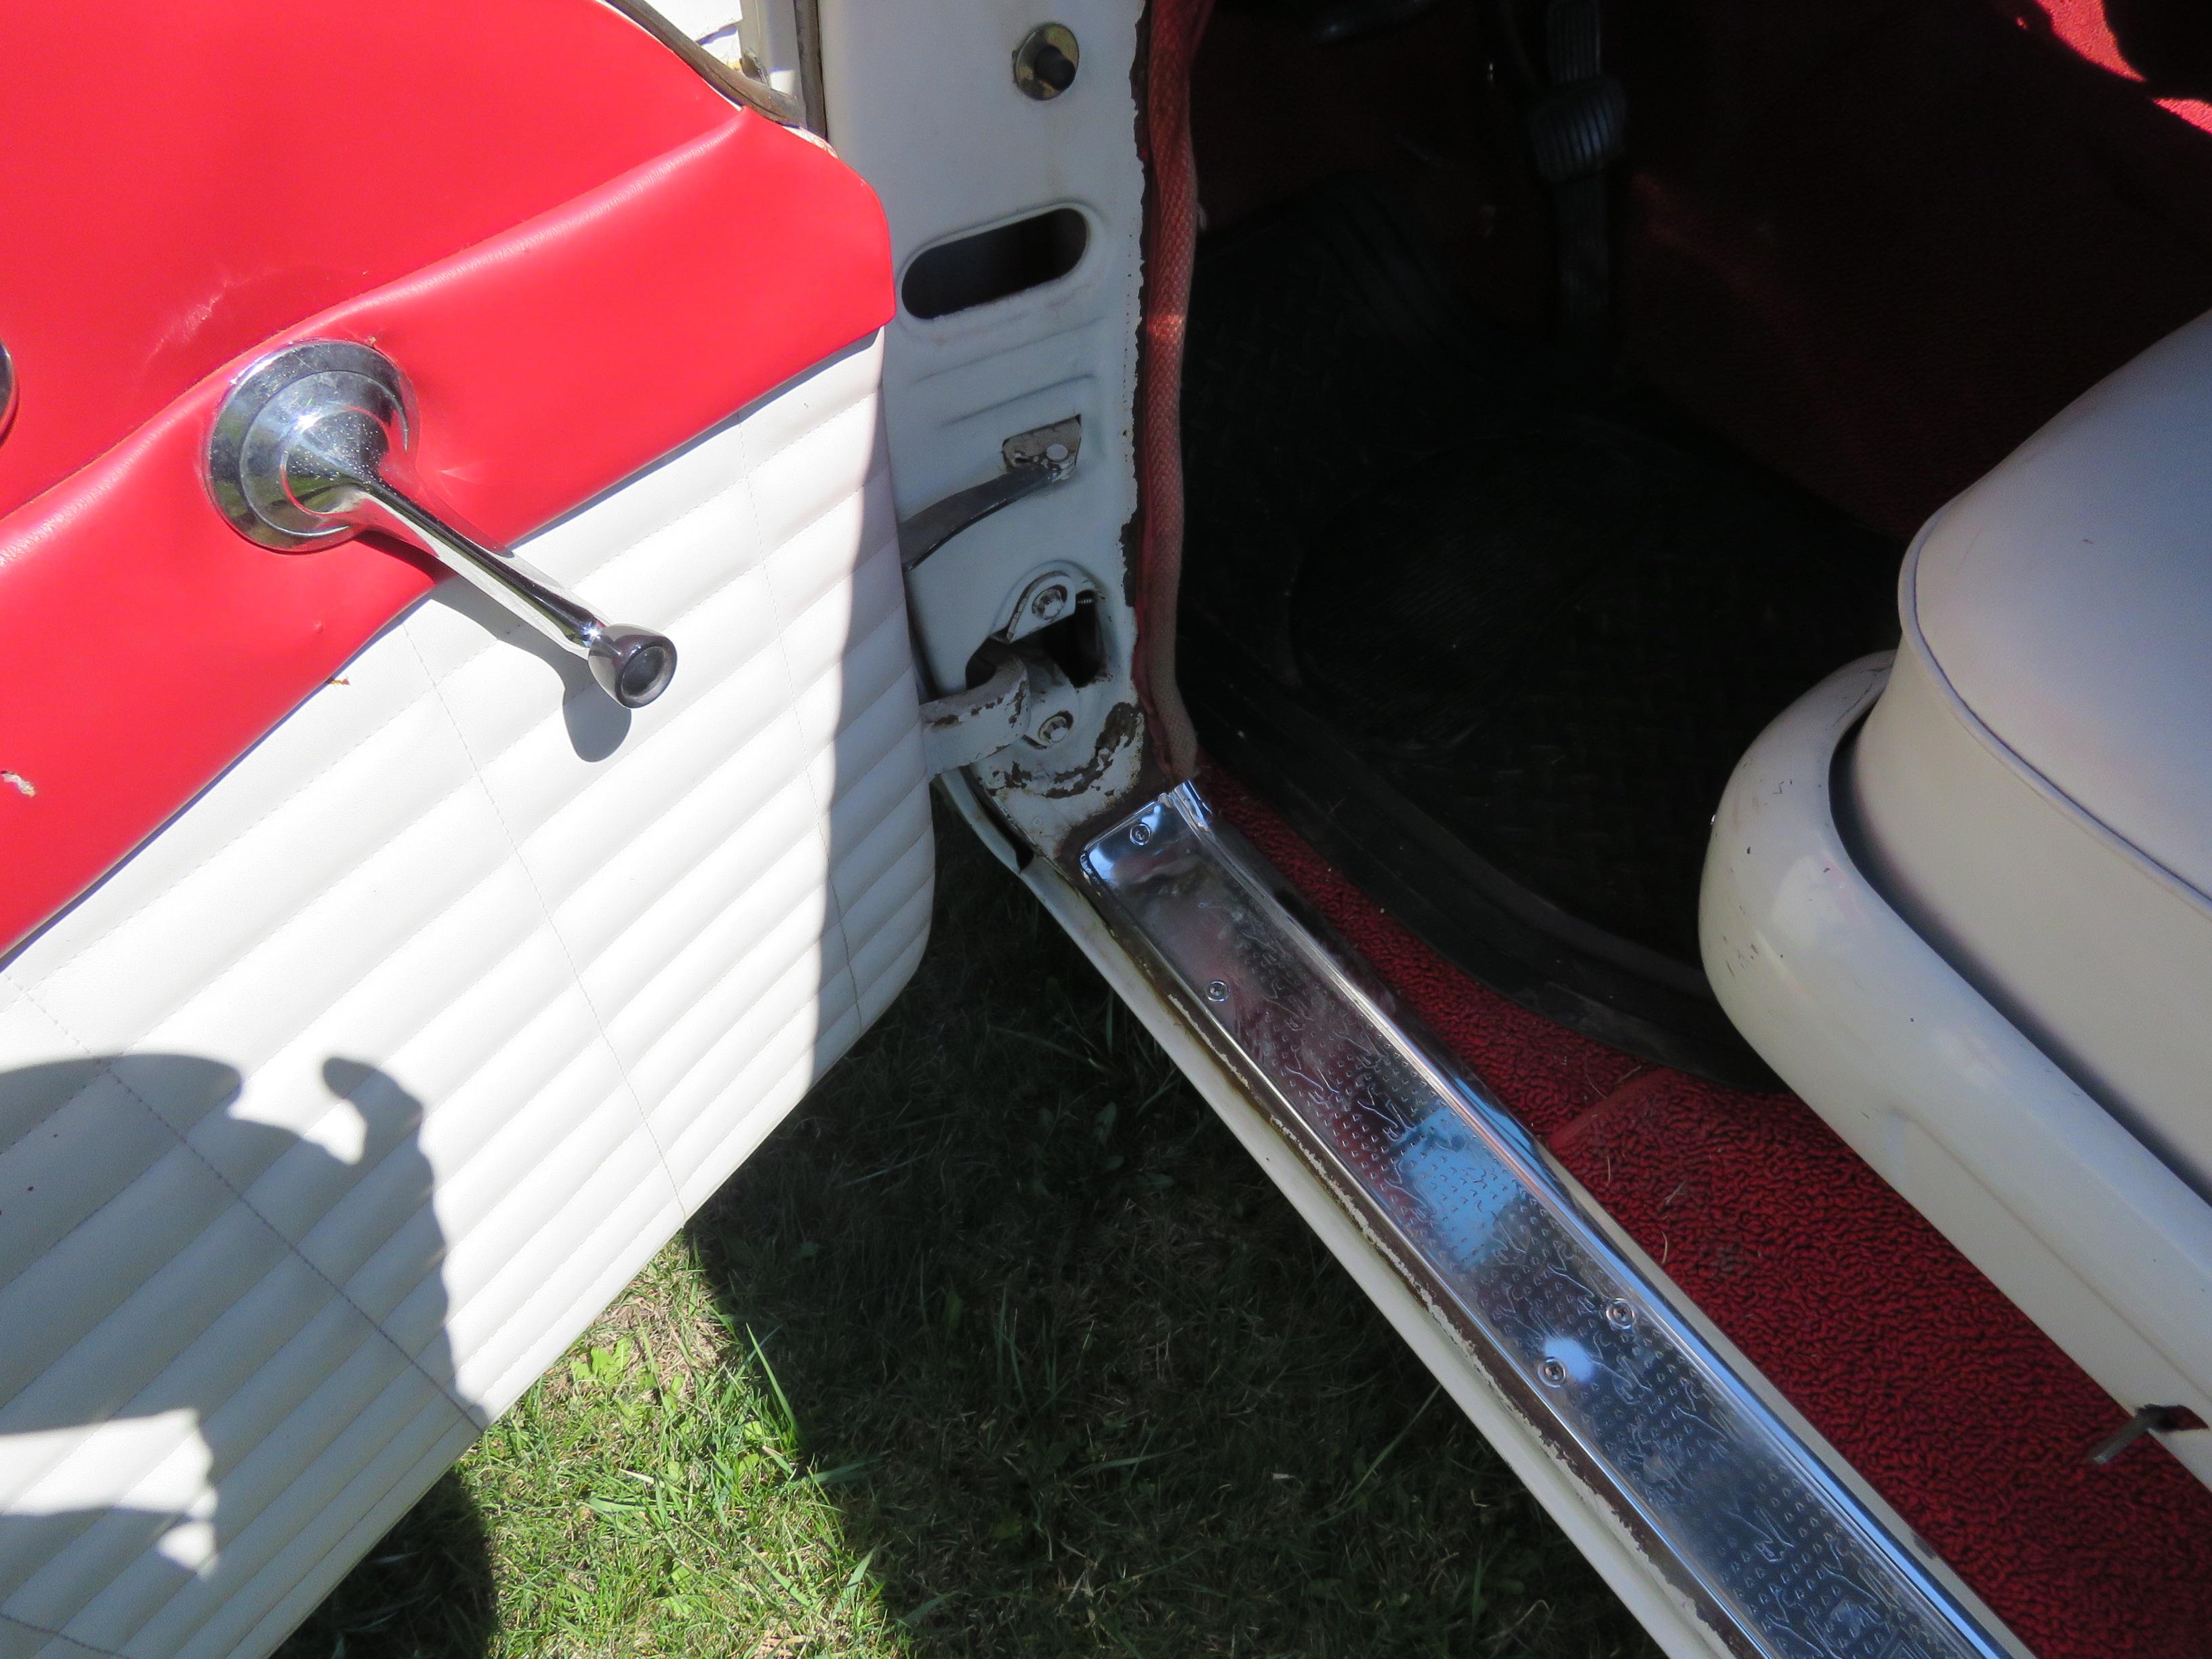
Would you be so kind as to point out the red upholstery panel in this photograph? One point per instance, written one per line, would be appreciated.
(669, 261)
(183, 180)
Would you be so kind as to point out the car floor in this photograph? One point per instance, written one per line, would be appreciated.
(1443, 579)
(1932, 1385)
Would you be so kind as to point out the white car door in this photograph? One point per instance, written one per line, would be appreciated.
(379, 991)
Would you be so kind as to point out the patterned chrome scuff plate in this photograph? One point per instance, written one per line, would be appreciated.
(1752, 1529)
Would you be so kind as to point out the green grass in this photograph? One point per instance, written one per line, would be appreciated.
(1000, 1346)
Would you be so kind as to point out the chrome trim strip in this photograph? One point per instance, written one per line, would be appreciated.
(738, 87)
(1736, 1512)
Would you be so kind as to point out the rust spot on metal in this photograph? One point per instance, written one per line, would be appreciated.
(1118, 731)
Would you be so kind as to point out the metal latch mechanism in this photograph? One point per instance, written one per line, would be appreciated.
(1026, 681)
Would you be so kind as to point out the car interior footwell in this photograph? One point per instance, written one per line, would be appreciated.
(1932, 1386)
(1475, 627)
(1464, 594)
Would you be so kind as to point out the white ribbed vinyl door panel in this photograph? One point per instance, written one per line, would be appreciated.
(336, 1113)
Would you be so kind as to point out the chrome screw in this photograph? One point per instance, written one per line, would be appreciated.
(1056, 728)
(1049, 603)
(1217, 990)
(1139, 833)
(1618, 1314)
(1046, 61)
(1553, 1372)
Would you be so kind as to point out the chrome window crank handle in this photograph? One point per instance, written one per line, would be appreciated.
(314, 442)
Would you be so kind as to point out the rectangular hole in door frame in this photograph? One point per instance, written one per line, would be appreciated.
(995, 264)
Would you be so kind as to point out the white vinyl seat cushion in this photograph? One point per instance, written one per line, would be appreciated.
(2033, 789)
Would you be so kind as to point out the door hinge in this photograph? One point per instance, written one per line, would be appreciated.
(1029, 675)
(1026, 698)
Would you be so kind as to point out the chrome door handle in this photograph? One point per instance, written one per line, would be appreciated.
(314, 442)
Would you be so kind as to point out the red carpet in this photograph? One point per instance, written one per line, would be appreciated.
(1957, 1409)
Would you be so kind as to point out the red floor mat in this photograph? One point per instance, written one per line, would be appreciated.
(1957, 1409)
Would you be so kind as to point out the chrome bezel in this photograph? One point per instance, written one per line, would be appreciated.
(245, 489)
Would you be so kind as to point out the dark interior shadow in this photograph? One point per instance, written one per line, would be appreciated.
(95, 1241)
(425, 1589)
(2167, 42)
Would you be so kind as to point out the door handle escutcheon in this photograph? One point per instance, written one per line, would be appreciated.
(315, 442)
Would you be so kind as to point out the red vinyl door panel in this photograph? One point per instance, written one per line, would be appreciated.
(579, 252)
(379, 991)
(184, 181)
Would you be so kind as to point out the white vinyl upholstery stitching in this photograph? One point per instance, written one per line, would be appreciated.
(527, 1276)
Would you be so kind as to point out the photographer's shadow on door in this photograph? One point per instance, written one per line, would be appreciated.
(212, 1328)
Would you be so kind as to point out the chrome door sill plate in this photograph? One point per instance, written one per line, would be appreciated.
(1776, 1555)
